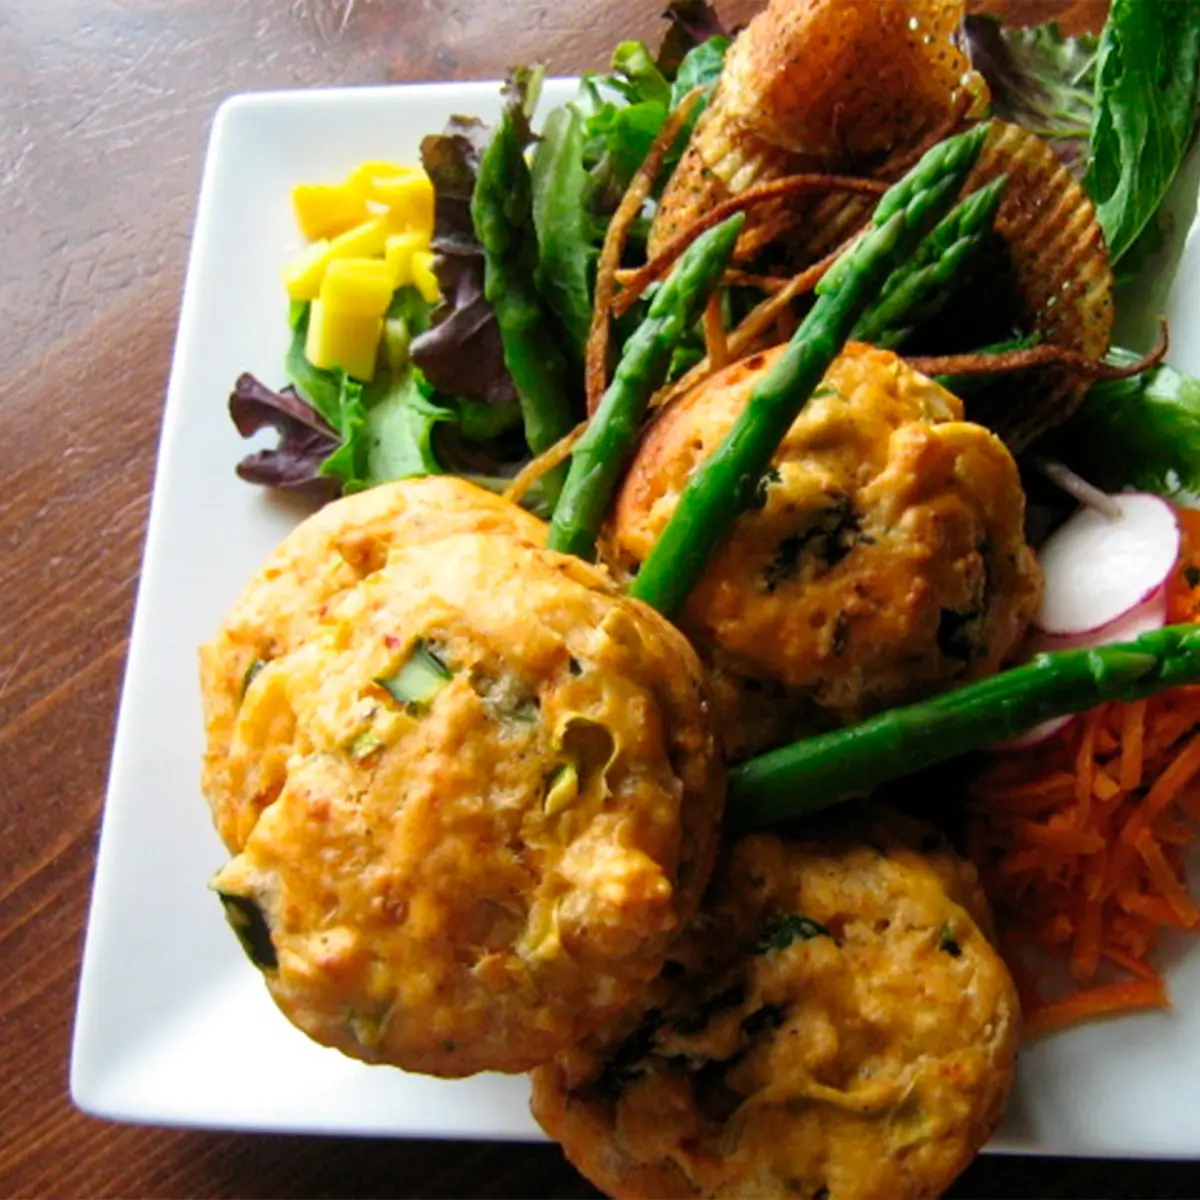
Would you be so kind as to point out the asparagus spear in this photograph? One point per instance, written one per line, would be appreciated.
(923, 285)
(796, 780)
(725, 484)
(600, 457)
(502, 212)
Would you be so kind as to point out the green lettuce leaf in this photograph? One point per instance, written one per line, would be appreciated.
(1141, 433)
(349, 462)
(636, 74)
(399, 433)
(619, 133)
(701, 67)
(1146, 76)
(322, 389)
(565, 231)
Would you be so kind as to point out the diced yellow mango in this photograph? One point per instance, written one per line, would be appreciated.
(409, 199)
(365, 178)
(365, 240)
(398, 253)
(424, 278)
(302, 276)
(360, 287)
(337, 339)
(324, 210)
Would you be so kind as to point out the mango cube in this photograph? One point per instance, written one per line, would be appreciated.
(346, 340)
(302, 276)
(409, 200)
(424, 278)
(366, 177)
(324, 210)
(398, 253)
(365, 240)
(360, 287)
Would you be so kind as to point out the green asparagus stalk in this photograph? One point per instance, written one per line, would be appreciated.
(800, 779)
(600, 457)
(502, 213)
(725, 484)
(923, 285)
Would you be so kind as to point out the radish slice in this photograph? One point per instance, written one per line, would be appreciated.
(1150, 614)
(1097, 569)
(1031, 737)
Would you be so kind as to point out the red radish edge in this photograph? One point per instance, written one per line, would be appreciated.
(1031, 737)
(1150, 614)
(1097, 569)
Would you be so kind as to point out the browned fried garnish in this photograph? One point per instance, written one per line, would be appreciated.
(716, 345)
(1075, 364)
(773, 311)
(1060, 270)
(596, 358)
(777, 189)
(820, 85)
(545, 462)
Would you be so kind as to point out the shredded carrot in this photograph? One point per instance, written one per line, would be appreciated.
(1095, 1002)
(1169, 886)
(1085, 954)
(1127, 962)
(1085, 767)
(1159, 911)
(1132, 743)
(1080, 840)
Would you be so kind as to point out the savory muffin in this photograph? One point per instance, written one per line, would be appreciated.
(885, 558)
(305, 577)
(835, 1025)
(499, 802)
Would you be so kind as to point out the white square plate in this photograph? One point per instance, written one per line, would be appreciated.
(174, 1025)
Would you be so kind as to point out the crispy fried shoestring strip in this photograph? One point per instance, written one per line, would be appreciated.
(731, 278)
(756, 323)
(1040, 356)
(791, 185)
(716, 345)
(1077, 487)
(640, 187)
(545, 462)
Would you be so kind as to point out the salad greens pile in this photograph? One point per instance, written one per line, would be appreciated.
(492, 375)
(1120, 110)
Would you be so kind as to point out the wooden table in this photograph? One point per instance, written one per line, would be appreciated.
(107, 107)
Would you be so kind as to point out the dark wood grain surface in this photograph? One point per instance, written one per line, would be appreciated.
(106, 109)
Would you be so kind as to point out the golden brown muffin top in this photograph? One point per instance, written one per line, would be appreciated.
(305, 577)
(887, 555)
(475, 878)
(834, 1025)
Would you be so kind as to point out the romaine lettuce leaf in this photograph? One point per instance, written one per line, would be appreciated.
(565, 231)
